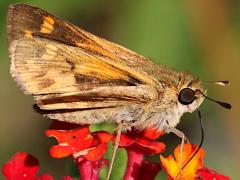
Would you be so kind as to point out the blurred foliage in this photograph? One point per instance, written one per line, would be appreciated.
(163, 30)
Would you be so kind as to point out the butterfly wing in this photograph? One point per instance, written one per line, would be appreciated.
(65, 67)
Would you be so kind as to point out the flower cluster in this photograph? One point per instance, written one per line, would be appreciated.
(88, 149)
(193, 170)
(24, 166)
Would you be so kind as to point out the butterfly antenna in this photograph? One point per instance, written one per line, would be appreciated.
(223, 104)
(221, 83)
(200, 144)
(115, 148)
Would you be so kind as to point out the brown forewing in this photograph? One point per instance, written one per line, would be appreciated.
(65, 67)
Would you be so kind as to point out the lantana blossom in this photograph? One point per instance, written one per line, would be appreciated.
(194, 169)
(77, 140)
(23, 166)
(88, 148)
(210, 174)
(172, 163)
(138, 144)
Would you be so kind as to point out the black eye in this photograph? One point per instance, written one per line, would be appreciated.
(186, 96)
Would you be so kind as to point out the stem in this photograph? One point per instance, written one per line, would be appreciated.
(119, 131)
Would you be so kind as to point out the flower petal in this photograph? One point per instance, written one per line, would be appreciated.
(45, 177)
(104, 137)
(21, 166)
(151, 147)
(152, 134)
(172, 165)
(89, 170)
(149, 170)
(66, 178)
(97, 152)
(58, 151)
(70, 136)
(138, 168)
(142, 141)
(134, 163)
(125, 140)
(76, 141)
(209, 174)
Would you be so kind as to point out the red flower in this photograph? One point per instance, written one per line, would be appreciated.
(66, 178)
(138, 168)
(86, 148)
(142, 141)
(77, 140)
(23, 166)
(90, 169)
(137, 145)
(209, 174)
(49, 177)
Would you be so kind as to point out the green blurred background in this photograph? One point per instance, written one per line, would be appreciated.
(200, 36)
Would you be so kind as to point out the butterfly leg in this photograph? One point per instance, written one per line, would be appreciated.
(184, 139)
(115, 148)
(122, 125)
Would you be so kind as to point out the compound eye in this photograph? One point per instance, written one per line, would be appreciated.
(186, 96)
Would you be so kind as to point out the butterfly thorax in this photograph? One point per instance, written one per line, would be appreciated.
(167, 110)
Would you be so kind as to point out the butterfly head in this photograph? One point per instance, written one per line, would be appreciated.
(191, 93)
(189, 98)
